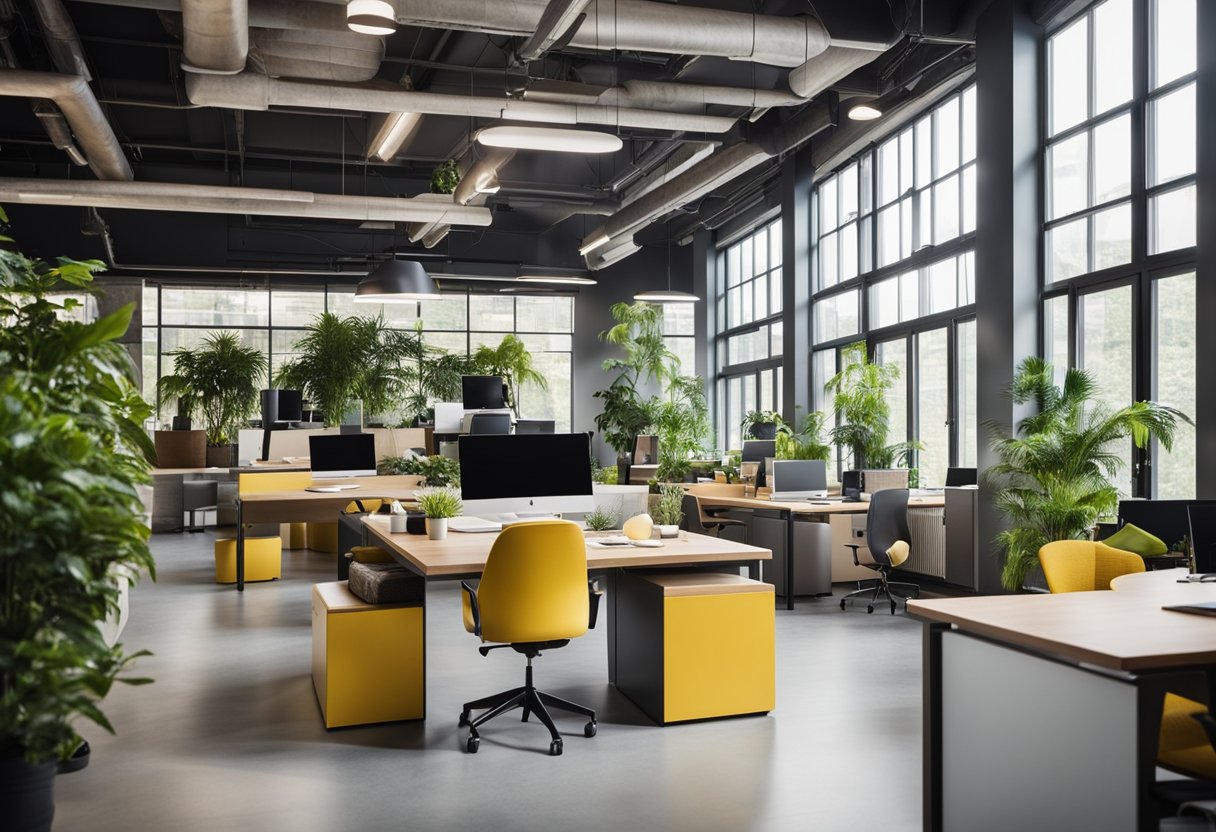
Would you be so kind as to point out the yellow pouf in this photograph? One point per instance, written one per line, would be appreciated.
(366, 658)
(263, 559)
(295, 535)
(323, 537)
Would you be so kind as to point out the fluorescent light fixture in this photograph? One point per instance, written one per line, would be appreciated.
(862, 109)
(558, 139)
(596, 240)
(371, 17)
(666, 296)
(560, 279)
(396, 129)
(52, 198)
(396, 281)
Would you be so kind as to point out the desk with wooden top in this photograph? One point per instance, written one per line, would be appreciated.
(1043, 711)
(464, 556)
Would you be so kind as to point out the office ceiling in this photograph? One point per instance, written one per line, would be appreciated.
(279, 95)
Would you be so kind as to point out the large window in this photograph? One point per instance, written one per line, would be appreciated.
(273, 320)
(894, 264)
(1119, 217)
(749, 331)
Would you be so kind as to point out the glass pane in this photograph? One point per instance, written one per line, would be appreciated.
(761, 250)
(1176, 40)
(827, 205)
(865, 183)
(1069, 165)
(678, 319)
(734, 412)
(148, 364)
(776, 343)
(149, 308)
(969, 123)
(450, 312)
(341, 302)
(553, 403)
(905, 161)
(734, 306)
(1106, 352)
(1172, 220)
(1113, 236)
(761, 297)
(774, 244)
(492, 313)
(1174, 383)
(747, 311)
(848, 193)
(933, 400)
(295, 308)
(1112, 53)
(747, 258)
(685, 350)
(943, 286)
(774, 288)
(924, 152)
(888, 236)
(283, 346)
(823, 367)
(828, 275)
(733, 277)
(1068, 245)
(945, 210)
(1173, 136)
(1112, 159)
(888, 171)
(848, 313)
(905, 227)
(1068, 53)
(968, 421)
(909, 296)
(895, 353)
(884, 303)
(848, 251)
(1055, 336)
(550, 314)
(966, 279)
(945, 121)
(228, 306)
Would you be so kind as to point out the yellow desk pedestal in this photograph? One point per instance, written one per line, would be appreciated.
(323, 537)
(366, 658)
(695, 645)
(263, 559)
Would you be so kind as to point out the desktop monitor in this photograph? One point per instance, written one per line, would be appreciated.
(482, 392)
(1202, 521)
(342, 455)
(279, 407)
(958, 477)
(759, 450)
(850, 485)
(542, 473)
(799, 479)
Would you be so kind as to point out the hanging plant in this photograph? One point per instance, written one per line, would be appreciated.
(445, 178)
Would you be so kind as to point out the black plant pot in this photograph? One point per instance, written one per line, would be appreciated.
(622, 471)
(221, 456)
(79, 760)
(27, 795)
(766, 430)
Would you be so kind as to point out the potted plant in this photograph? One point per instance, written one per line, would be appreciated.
(512, 360)
(763, 424)
(669, 511)
(219, 379)
(439, 505)
(681, 423)
(445, 177)
(72, 453)
(806, 442)
(1053, 478)
(863, 415)
(603, 518)
(438, 471)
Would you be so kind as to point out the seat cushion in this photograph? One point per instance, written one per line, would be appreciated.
(1184, 745)
(1132, 538)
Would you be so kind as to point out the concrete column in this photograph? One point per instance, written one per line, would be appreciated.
(797, 174)
(116, 293)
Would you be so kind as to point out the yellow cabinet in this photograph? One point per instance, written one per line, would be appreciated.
(263, 559)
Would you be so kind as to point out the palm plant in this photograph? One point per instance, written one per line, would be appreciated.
(220, 380)
(627, 413)
(807, 442)
(511, 360)
(681, 423)
(864, 421)
(1053, 480)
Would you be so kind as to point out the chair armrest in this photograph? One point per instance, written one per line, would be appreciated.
(594, 594)
(472, 612)
(854, 547)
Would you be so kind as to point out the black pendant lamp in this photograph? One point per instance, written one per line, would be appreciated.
(396, 281)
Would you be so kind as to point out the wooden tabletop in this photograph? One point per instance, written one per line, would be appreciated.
(465, 554)
(1124, 630)
(808, 507)
(297, 505)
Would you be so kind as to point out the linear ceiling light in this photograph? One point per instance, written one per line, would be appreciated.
(371, 17)
(558, 139)
(593, 242)
(396, 281)
(396, 129)
(666, 296)
(561, 279)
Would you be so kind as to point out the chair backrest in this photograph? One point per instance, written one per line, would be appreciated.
(534, 587)
(1084, 565)
(261, 483)
(887, 522)
(490, 423)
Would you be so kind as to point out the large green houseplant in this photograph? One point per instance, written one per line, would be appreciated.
(806, 442)
(863, 414)
(627, 411)
(72, 454)
(220, 380)
(512, 360)
(1053, 480)
(682, 425)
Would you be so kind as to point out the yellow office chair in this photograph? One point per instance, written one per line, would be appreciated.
(1085, 566)
(533, 595)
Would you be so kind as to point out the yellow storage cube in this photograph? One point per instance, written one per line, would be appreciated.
(263, 559)
(695, 645)
(366, 658)
(294, 535)
(323, 537)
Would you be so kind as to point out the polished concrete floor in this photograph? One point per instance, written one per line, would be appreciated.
(229, 736)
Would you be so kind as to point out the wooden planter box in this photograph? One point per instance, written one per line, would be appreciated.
(181, 448)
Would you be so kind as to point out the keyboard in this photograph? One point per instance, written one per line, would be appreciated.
(333, 489)
(473, 525)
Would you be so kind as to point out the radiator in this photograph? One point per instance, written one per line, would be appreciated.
(928, 553)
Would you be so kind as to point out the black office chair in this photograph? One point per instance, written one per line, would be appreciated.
(490, 423)
(713, 522)
(888, 539)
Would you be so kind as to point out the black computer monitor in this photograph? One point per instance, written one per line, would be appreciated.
(539, 472)
(482, 392)
(958, 477)
(850, 485)
(1202, 522)
(758, 450)
(342, 455)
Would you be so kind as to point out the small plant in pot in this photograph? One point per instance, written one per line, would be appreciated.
(439, 505)
(763, 424)
(669, 511)
(603, 518)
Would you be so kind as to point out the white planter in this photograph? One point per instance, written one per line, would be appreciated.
(669, 531)
(437, 528)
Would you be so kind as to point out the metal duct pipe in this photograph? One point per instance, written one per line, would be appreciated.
(834, 63)
(685, 157)
(250, 91)
(215, 35)
(76, 101)
(481, 175)
(214, 199)
(265, 14)
(663, 95)
(61, 39)
(637, 25)
(555, 21)
(56, 127)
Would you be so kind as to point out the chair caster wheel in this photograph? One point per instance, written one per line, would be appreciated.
(589, 729)
(892, 609)
(464, 719)
(869, 608)
(471, 744)
(842, 605)
(555, 748)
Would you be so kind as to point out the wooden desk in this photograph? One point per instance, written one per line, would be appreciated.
(1056, 699)
(300, 506)
(464, 555)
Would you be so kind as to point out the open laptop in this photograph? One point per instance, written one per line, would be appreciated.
(799, 479)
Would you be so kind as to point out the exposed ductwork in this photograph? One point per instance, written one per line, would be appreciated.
(215, 199)
(74, 98)
(559, 18)
(659, 95)
(834, 63)
(215, 36)
(327, 56)
(684, 157)
(61, 39)
(250, 91)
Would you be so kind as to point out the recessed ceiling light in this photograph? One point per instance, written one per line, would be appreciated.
(396, 281)
(520, 137)
(371, 17)
(666, 296)
(561, 279)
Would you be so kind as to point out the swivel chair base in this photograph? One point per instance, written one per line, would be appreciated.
(882, 588)
(527, 697)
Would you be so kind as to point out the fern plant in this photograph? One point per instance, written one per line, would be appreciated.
(1053, 480)
(864, 417)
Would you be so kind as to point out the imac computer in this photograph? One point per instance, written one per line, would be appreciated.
(800, 479)
(540, 473)
(482, 392)
(342, 455)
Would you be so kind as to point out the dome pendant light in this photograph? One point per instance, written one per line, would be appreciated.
(371, 17)
(396, 281)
